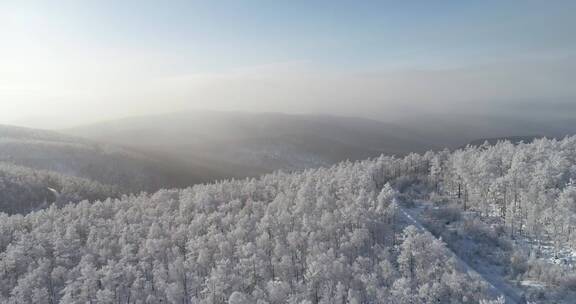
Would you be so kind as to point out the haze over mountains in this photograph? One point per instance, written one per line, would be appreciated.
(237, 144)
(256, 142)
(147, 153)
(287, 152)
(82, 158)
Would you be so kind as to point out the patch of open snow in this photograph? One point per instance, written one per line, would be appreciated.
(533, 284)
(53, 190)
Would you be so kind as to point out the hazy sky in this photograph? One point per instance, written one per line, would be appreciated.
(68, 62)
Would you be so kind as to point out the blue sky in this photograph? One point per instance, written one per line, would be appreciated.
(100, 53)
(349, 34)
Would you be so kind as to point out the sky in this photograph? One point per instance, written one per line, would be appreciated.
(64, 63)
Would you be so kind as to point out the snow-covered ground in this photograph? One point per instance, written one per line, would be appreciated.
(497, 285)
(418, 212)
(546, 251)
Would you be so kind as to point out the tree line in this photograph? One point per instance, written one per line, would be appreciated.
(329, 235)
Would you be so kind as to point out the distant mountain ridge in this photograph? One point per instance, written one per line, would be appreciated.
(182, 149)
(238, 144)
(103, 163)
(179, 150)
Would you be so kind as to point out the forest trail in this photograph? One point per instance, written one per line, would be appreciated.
(497, 285)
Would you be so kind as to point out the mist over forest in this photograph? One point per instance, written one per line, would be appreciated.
(287, 152)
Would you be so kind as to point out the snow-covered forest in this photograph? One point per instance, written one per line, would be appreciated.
(530, 187)
(129, 170)
(287, 152)
(513, 206)
(23, 189)
(350, 233)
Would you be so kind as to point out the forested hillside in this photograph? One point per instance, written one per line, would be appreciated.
(287, 152)
(321, 236)
(23, 189)
(331, 235)
(40, 167)
(530, 187)
(240, 144)
(512, 207)
(104, 163)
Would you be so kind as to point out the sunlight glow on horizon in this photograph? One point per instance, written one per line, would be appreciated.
(104, 61)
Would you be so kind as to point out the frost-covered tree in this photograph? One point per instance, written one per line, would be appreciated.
(327, 235)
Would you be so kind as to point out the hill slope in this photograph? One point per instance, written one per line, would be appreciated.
(343, 234)
(244, 144)
(320, 236)
(31, 161)
(23, 189)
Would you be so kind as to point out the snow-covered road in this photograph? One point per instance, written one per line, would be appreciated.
(496, 283)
